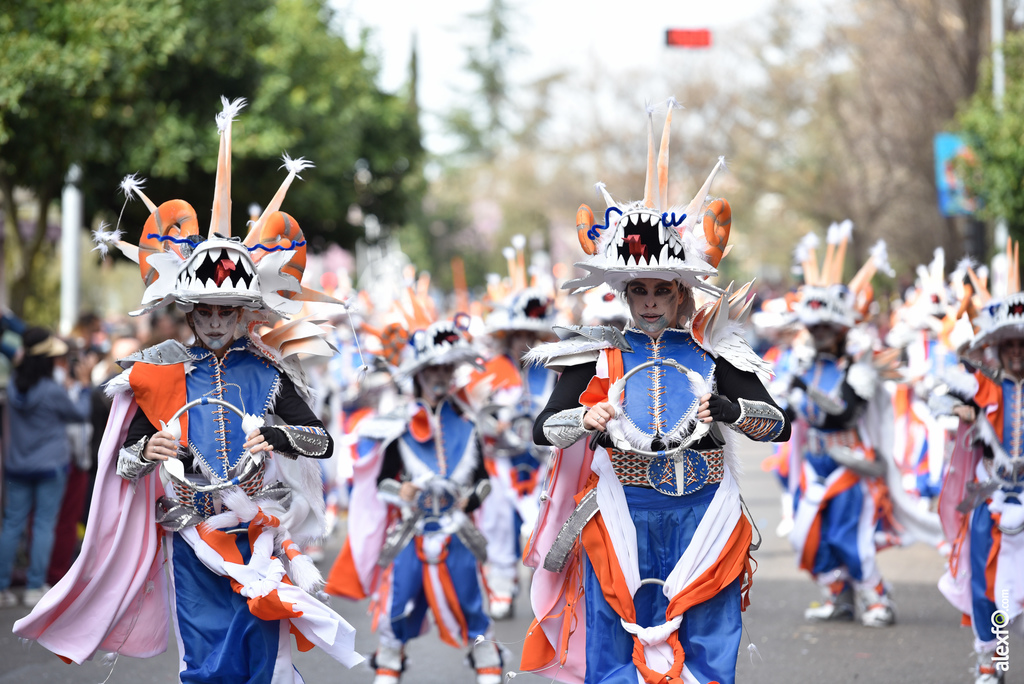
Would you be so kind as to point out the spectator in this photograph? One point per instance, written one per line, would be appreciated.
(37, 458)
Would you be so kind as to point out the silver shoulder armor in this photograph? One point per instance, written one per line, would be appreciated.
(166, 353)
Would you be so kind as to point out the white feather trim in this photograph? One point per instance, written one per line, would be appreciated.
(295, 166)
(239, 502)
(131, 184)
(545, 354)
(880, 253)
(230, 111)
(104, 239)
(304, 573)
(251, 422)
(863, 379)
(832, 234)
(519, 241)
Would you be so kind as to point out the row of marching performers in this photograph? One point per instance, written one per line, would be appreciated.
(914, 437)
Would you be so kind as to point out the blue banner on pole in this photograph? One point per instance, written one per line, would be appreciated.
(953, 197)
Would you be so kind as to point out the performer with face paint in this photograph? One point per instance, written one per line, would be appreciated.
(848, 490)
(644, 476)
(205, 465)
(980, 505)
(413, 545)
(517, 392)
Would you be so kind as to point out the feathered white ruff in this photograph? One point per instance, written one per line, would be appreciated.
(104, 239)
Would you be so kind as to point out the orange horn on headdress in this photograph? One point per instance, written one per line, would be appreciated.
(717, 223)
(584, 221)
(279, 230)
(176, 219)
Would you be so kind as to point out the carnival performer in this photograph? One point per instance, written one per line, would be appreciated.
(517, 394)
(842, 445)
(193, 473)
(980, 505)
(923, 330)
(413, 546)
(778, 324)
(645, 475)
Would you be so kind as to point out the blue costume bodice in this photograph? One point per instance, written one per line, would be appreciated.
(827, 376)
(656, 401)
(452, 440)
(538, 382)
(241, 378)
(1012, 439)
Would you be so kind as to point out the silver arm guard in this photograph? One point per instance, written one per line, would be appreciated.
(565, 427)
(759, 420)
(305, 441)
(130, 463)
(826, 403)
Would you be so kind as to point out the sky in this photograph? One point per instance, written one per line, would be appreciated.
(558, 34)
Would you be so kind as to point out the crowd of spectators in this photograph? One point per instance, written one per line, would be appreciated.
(53, 410)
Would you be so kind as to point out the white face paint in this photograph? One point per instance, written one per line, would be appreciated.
(434, 382)
(654, 304)
(215, 325)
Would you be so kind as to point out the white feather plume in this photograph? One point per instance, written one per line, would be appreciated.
(602, 189)
(304, 573)
(880, 253)
(508, 252)
(131, 184)
(832, 236)
(295, 166)
(673, 103)
(104, 239)
(845, 230)
(519, 241)
(230, 111)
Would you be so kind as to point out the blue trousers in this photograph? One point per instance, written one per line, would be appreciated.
(710, 632)
(40, 497)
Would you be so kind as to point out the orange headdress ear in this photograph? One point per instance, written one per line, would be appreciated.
(174, 219)
(717, 223)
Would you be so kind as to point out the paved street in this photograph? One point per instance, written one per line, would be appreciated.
(926, 645)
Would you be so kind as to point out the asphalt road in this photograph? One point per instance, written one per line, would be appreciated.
(926, 645)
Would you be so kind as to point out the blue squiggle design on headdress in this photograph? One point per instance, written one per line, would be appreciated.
(595, 230)
(673, 222)
(169, 238)
(278, 248)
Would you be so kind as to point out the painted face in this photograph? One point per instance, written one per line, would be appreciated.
(434, 382)
(215, 325)
(654, 304)
(827, 337)
(520, 342)
(1011, 355)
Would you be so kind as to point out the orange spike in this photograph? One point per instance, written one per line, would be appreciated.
(651, 171)
(663, 161)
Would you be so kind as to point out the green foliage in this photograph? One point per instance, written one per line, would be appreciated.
(997, 170)
(121, 86)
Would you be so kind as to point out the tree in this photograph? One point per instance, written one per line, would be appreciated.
(121, 87)
(996, 172)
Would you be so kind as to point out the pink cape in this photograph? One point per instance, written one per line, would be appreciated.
(115, 596)
(547, 590)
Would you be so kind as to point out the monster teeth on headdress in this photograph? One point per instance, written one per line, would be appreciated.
(104, 239)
